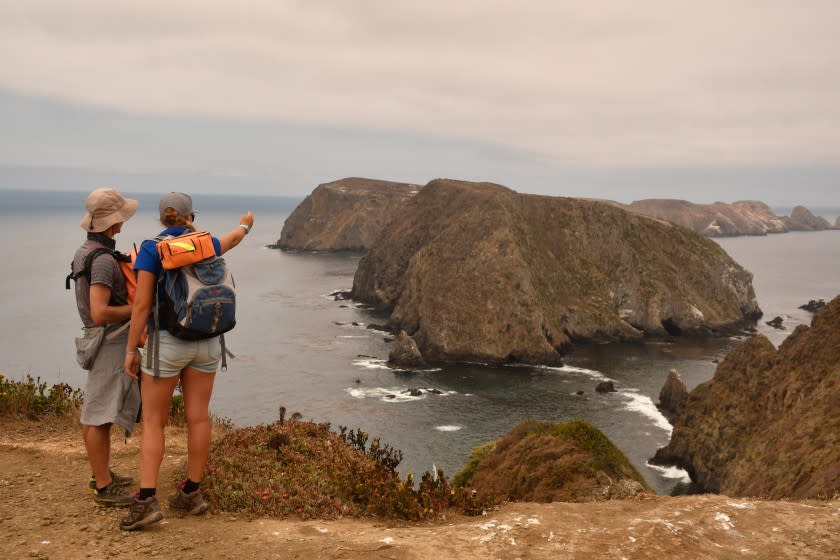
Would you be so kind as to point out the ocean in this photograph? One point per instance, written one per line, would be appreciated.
(298, 348)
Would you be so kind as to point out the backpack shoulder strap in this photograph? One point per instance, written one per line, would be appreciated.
(88, 263)
(153, 353)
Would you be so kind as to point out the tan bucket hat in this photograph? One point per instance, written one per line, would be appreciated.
(107, 207)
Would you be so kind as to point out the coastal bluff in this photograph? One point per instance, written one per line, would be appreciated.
(476, 272)
(344, 215)
(768, 423)
(745, 217)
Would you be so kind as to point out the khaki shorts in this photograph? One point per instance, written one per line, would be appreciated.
(111, 397)
(176, 354)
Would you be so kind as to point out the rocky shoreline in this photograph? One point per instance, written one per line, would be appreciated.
(767, 411)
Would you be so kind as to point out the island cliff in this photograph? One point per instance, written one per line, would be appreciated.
(345, 215)
(478, 272)
(768, 423)
(746, 217)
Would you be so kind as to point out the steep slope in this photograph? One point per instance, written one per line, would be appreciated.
(345, 215)
(478, 272)
(768, 423)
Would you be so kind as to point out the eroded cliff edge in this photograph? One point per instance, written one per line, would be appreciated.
(768, 423)
(344, 215)
(478, 272)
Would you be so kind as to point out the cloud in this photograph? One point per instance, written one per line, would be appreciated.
(650, 83)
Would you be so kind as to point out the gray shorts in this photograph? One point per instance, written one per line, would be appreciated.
(176, 354)
(111, 397)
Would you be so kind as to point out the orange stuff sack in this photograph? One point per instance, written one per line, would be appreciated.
(127, 269)
(189, 248)
(130, 275)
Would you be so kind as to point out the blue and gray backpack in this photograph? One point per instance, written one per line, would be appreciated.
(194, 302)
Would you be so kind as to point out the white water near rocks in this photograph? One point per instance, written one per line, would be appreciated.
(296, 347)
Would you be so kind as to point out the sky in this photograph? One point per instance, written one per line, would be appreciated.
(704, 101)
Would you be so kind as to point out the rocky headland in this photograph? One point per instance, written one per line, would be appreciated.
(478, 272)
(768, 423)
(344, 215)
(746, 217)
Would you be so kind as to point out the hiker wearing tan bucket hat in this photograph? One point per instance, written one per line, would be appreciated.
(107, 207)
(102, 301)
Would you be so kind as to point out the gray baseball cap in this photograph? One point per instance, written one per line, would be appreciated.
(180, 202)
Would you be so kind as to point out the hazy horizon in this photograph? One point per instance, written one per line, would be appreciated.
(708, 102)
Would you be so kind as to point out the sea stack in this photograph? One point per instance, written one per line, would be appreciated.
(673, 395)
(477, 272)
(801, 219)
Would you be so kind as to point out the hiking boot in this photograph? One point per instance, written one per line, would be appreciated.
(116, 480)
(142, 513)
(112, 496)
(192, 503)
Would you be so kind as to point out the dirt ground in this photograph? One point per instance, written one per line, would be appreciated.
(46, 512)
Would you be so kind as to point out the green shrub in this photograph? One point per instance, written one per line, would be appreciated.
(302, 468)
(33, 399)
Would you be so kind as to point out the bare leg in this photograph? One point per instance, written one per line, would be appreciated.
(198, 388)
(98, 446)
(156, 396)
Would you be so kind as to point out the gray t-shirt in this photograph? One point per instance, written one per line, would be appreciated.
(104, 270)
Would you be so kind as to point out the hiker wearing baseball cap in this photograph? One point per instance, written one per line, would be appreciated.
(102, 301)
(172, 358)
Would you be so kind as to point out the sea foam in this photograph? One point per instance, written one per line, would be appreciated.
(393, 394)
(671, 472)
(594, 374)
(643, 404)
(448, 428)
(371, 363)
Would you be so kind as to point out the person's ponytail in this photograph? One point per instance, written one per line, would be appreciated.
(171, 218)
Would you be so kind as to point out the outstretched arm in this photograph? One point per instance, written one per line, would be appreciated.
(232, 238)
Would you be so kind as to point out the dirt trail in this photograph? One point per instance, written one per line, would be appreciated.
(45, 512)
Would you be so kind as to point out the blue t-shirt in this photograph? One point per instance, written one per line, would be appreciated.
(148, 259)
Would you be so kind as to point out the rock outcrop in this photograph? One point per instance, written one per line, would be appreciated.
(745, 217)
(768, 423)
(405, 353)
(777, 322)
(673, 395)
(545, 462)
(345, 215)
(813, 305)
(478, 272)
(801, 219)
(605, 387)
